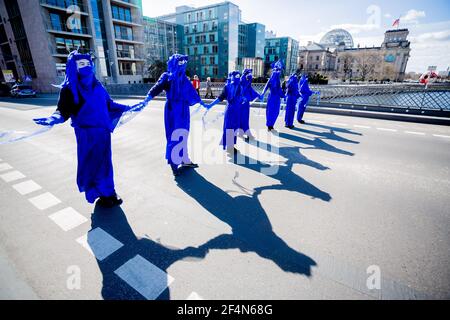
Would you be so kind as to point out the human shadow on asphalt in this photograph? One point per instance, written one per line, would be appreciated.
(251, 227)
(331, 135)
(332, 129)
(315, 144)
(115, 223)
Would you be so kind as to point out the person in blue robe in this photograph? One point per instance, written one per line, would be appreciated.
(233, 93)
(275, 96)
(292, 96)
(249, 94)
(306, 94)
(181, 95)
(94, 116)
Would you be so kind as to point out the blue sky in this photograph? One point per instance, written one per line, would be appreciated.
(428, 21)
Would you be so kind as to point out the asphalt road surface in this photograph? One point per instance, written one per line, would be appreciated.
(339, 208)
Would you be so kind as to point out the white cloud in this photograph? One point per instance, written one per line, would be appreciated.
(388, 16)
(356, 28)
(413, 16)
(432, 36)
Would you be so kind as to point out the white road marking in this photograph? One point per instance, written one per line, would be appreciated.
(144, 277)
(194, 296)
(68, 219)
(362, 127)
(45, 201)
(316, 121)
(12, 176)
(4, 167)
(415, 133)
(441, 136)
(340, 124)
(100, 243)
(27, 187)
(388, 130)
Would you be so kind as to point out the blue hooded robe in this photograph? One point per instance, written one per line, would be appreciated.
(292, 97)
(232, 92)
(181, 95)
(306, 94)
(275, 96)
(249, 95)
(94, 117)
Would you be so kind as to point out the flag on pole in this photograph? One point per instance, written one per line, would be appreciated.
(396, 23)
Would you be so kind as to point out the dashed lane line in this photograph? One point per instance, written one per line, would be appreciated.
(68, 219)
(27, 187)
(387, 130)
(144, 277)
(100, 243)
(4, 167)
(415, 133)
(12, 176)
(441, 136)
(45, 201)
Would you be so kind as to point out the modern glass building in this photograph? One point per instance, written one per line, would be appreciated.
(251, 47)
(210, 36)
(285, 49)
(111, 30)
(160, 41)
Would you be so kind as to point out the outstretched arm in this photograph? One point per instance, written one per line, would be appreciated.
(222, 97)
(66, 107)
(55, 118)
(261, 97)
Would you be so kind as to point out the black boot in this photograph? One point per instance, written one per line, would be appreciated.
(190, 165)
(175, 170)
(110, 202)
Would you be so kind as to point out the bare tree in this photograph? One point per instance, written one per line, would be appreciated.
(366, 64)
(346, 60)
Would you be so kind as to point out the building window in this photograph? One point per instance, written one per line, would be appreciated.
(67, 45)
(212, 38)
(125, 51)
(120, 13)
(127, 68)
(55, 21)
(124, 33)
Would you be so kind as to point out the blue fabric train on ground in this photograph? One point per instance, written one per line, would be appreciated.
(275, 96)
(232, 92)
(94, 117)
(306, 94)
(249, 94)
(181, 95)
(292, 94)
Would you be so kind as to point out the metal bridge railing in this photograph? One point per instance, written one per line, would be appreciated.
(389, 96)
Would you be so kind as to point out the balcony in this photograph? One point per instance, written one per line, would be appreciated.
(127, 3)
(126, 23)
(62, 29)
(63, 5)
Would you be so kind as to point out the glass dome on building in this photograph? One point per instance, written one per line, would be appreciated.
(334, 37)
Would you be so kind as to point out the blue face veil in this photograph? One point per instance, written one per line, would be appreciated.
(277, 68)
(78, 80)
(247, 78)
(176, 67)
(234, 85)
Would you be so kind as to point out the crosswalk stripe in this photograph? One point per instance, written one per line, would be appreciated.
(68, 219)
(27, 187)
(5, 166)
(45, 201)
(100, 243)
(144, 277)
(12, 176)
